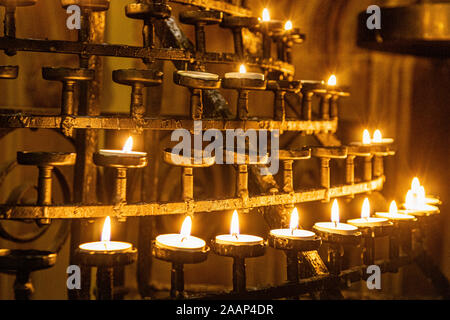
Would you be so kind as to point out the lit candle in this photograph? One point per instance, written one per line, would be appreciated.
(288, 25)
(335, 226)
(366, 221)
(105, 244)
(418, 190)
(415, 201)
(182, 241)
(293, 232)
(394, 214)
(243, 74)
(378, 139)
(199, 75)
(125, 152)
(265, 15)
(366, 140)
(332, 81)
(234, 238)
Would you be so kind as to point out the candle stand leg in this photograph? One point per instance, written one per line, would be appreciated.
(105, 283)
(292, 266)
(239, 278)
(324, 106)
(177, 281)
(137, 101)
(394, 250)
(280, 106)
(267, 46)
(200, 42)
(325, 176)
(378, 166)
(10, 27)
(23, 288)
(334, 106)
(307, 105)
(242, 104)
(120, 186)
(187, 183)
(196, 104)
(242, 182)
(238, 42)
(45, 185)
(288, 180)
(335, 253)
(369, 250)
(367, 169)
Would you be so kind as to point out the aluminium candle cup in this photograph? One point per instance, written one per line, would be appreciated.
(284, 85)
(282, 242)
(424, 211)
(16, 260)
(94, 5)
(120, 159)
(239, 250)
(46, 158)
(351, 238)
(376, 226)
(106, 258)
(196, 79)
(179, 255)
(243, 84)
(9, 72)
(399, 220)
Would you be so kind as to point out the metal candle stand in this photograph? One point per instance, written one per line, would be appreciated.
(22, 263)
(236, 24)
(270, 30)
(280, 88)
(195, 86)
(178, 258)
(243, 86)
(292, 247)
(369, 234)
(239, 253)
(106, 262)
(400, 237)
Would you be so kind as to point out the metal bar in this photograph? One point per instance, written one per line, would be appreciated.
(218, 5)
(19, 120)
(153, 209)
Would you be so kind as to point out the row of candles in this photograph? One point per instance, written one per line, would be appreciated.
(416, 204)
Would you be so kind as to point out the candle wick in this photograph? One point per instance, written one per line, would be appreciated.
(235, 235)
(335, 224)
(183, 238)
(292, 231)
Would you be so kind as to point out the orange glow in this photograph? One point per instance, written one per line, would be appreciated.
(393, 208)
(294, 219)
(335, 212)
(128, 145)
(332, 81)
(106, 234)
(365, 211)
(234, 229)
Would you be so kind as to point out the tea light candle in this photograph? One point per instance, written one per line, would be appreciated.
(182, 241)
(236, 239)
(418, 190)
(377, 139)
(125, 152)
(105, 244)
(198, 75)
(366, 221)
(243, 74)
(335, 226)
(293, 232)
(415, 204)
(394, 214)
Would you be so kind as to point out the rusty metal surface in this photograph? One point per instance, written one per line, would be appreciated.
(154, 209)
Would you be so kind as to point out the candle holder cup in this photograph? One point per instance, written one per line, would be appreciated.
(292, 247)
(239, 253)
(9, 72)
(22, 263)
(236, 24)
(69, 78)
(91, 5)
(178, 258)
(243, 86)
(280, 88)
(196, 81)
(106, 262)
(325, 154)
(199, 19)
(138, 80)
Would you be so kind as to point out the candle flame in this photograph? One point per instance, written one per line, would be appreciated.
(335, 212)
(294, 220)
(234, 229)
(185, 231)
(332, 81)
(265, 15)
(128, 145)
(288, 25)
(393, 208)
(366, 137)
(106, 234)
(377, 138)
(242, 68)
(365, 210)
(415, 185)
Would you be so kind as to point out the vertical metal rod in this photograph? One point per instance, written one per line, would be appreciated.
(177, 281)
(196, 104)
(369, 250)
(267, 46)
(335, 258)
(187, 183)
(288, 180)
(120, 185)
(307, 105)
(378, 166)
(350, 170)
(68, 98)
(242, 181)
(105, 283)
(239, 277)
(238, 42)
(292, 266)
(280, 106)
(367, 169)
(137, 101)
(334, 108)
(394, 249)
(325, 106)
(200, 42)
(45, 185)
(23, 288)
(325, 176)
(10, 26)
(242, 104)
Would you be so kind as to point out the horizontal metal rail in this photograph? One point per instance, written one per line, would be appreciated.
(217, 5)
(20, 120)
(155, 209)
